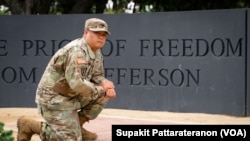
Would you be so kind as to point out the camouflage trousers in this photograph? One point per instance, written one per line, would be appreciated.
(63, 125)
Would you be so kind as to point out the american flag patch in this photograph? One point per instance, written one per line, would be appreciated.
(80, 61)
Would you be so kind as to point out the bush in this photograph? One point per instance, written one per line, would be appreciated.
(5, 135)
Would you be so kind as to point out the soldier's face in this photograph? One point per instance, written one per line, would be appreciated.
(96, 40)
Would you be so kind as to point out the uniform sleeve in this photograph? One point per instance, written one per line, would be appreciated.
(76, 62)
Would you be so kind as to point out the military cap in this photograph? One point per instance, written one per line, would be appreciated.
(96, 24)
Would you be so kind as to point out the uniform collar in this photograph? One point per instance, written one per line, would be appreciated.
(88, 49)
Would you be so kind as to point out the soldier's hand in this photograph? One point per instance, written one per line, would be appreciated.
(110, 93)
(106, 84)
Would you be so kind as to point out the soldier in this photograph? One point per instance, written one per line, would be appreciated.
(72, 89)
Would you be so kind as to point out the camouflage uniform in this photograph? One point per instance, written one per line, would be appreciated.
(70, 88)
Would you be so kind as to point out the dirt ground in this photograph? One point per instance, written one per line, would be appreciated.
(108, 117)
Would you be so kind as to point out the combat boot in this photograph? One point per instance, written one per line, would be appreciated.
(86, 135)
(26, 128)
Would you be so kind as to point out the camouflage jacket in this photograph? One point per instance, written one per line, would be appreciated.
(73, 70)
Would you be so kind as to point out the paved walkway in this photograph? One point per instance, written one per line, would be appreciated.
(102, 126)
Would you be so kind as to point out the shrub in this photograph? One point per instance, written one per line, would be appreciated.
(5, 135)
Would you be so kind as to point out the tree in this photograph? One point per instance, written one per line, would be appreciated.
(98, 6)
(81, 6)
(27, 6)
(185, 5)
(54, 6)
